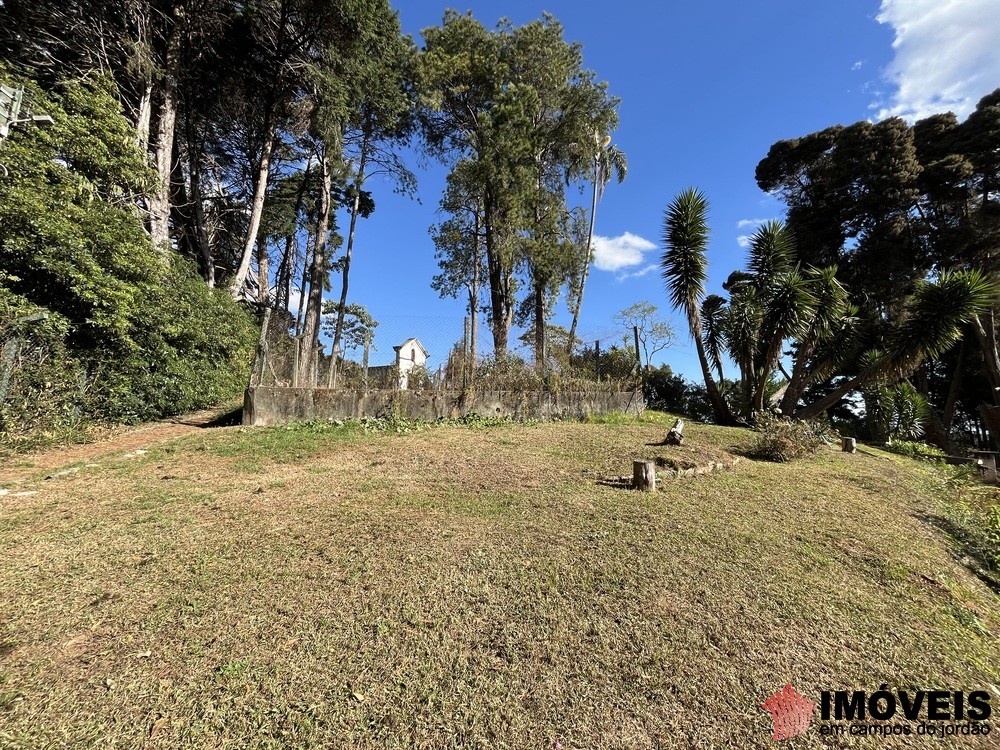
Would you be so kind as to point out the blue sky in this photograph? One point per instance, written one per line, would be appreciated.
(706, 88)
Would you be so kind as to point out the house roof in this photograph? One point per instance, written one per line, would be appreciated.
(411, 341)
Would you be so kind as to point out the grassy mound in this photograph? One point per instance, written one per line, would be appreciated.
(471, 587)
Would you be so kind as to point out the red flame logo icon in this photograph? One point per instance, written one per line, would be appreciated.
(791, 712)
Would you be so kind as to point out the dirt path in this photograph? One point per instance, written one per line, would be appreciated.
(122, 440)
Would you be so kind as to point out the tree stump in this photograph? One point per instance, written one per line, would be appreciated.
(644, 475)
(849, 445)
(675, 436)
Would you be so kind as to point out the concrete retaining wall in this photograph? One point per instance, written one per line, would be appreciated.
(263, 406)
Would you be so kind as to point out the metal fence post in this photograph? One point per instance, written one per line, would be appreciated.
(7, 368)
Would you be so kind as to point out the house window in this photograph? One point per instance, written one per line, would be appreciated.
(413, 355)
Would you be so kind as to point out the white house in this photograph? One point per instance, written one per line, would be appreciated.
(409, 355)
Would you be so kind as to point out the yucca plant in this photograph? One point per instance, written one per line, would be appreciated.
(684, 268)
(896, 412)
(932, 321)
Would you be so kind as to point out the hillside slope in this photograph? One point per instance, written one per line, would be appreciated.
(324, 586)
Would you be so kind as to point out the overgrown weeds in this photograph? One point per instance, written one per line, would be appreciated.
(782, 440)
(915, 449)
(973, 513)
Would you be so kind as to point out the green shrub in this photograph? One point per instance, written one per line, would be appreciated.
(915, 449)
(974, 518)
(896, 412)
(783, 440)
(191, 347)
(41, 384)
(129, 335)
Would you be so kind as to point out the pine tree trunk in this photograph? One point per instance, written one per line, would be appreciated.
(204, 243)
(256, 209)
(317, 279)
(263, 273)
(306, 266)
(948, 415)
(474, 294)
(283, 282)
(586, 265)
(539, 305)
(985, 328)
(349, 252)
(499, 303)
(159, 201)
(143, 118)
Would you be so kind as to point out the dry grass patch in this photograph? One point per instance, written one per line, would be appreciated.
(457, 587)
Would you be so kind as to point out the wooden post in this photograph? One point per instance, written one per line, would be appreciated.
(261, 364)
(364, 360)
(336, 367)
(849, 445)
(644, 475)
(675, 436)
(466, 351)
(10, 350)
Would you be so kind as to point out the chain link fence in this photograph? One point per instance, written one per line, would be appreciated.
(42, 387)
(420, 352)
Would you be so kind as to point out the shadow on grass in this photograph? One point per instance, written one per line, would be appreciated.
(619, 484)
(970, 552)
(232, 418)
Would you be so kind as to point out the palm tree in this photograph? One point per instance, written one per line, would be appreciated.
(608, 160)
(932, 322)
(685, 270)
(787, 301)
(772, 301)
(829, 340)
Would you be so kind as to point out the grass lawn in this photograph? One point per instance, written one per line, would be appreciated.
(470, 587)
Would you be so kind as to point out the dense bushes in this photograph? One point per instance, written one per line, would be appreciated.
(129, 333)
(783, 440)
(189, 347)
(39, 379)
(186, 347)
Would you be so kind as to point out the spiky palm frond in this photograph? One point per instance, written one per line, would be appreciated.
(611, 161)
(737, 281)
(897, 411)
(684, 266)
(934, 316)
(790, 307)
(843, 345)
(772, 252)
(713, 318)
(831, 303)
(741, 328)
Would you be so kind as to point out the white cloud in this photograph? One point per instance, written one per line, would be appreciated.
(858, 65)
(743, 240)
(946, 55)
(636, 274)
(623, 251)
